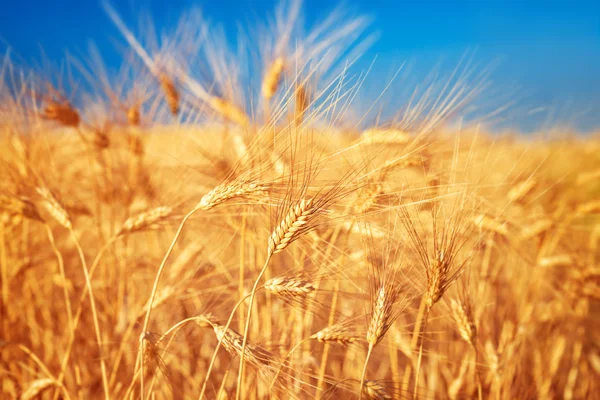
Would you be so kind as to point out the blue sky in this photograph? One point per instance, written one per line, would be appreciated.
(546, 53)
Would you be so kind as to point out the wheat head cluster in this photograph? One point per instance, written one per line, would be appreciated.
(213, 221)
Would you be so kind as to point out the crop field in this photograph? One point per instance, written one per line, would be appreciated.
(209, 222)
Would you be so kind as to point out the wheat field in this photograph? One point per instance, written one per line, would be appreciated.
(210, 223)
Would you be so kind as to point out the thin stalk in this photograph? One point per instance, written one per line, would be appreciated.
(78, 313)
(413, 344)
(285, 359)
(154, 288)
(218, 346)
(364, 372)
(63, 277)
(247, 328)
(420, 357)
(88, 283)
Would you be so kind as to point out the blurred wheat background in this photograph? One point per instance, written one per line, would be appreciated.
(211, 222)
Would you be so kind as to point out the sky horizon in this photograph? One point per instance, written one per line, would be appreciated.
(546, 54)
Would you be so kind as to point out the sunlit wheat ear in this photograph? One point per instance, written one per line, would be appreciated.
(272, 78)
(463, 316)
(535, 229)
(54, 208)
(171, 94)
(260, 358)
(367, 197)
(439, 280)
(489, 223)
(589, 207)
(294, 225)
(133, 115)
(386, 136)
(381, 316)
(337, 333)
(62, 113)
(146, 220)
(557, 260)
(520, 190)
(289, 286)
(20, 206)
(150, 351)
(100, 140)
(373, 390)
(231, 190)
(37, 388)
(229, 111)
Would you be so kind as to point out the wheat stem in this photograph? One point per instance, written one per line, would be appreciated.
(364, 371)
(155, 287)
(88, 283)
(218, 346)
(247, 327)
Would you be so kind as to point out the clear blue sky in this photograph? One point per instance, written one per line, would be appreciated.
(549, 51)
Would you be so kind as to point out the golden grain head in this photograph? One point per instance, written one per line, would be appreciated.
(20, 206)
(289, 286)
(62, 113)
(373, 390)
(463, 316)
(294, 225)
(54, 207)
(372, 228)
(272, 78)
(171, 94)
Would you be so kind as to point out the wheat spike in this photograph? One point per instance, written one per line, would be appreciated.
(37, 387)
(230, 190)
(145, 220)
(292, 226)
(373, 390)
(437, 281)
(259, 358)
(520, 190)
(62, 113)
(335, 333)
(487, 222)
(380, 316)
(463, 317)
(229, 111)
(385, 136)
(536, 229)
(273, 78)
(171, 94)
(289, 286)
(20, 206)
(133, 115)
(53, 206)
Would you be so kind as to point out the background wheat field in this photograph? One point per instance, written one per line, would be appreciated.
(205, 223)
